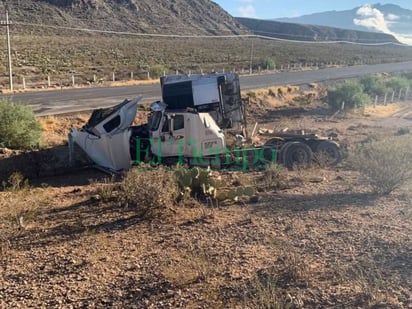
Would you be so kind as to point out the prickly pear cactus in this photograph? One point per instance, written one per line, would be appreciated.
(202, 182)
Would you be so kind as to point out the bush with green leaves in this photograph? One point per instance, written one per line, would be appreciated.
(373, 85)
(385, 161)
(157, 70)
(397, 83)
(19, 128)
(265, 64)
(352, 93)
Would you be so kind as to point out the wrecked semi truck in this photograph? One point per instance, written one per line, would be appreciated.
(190, 125)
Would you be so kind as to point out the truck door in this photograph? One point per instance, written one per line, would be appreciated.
(173, 136)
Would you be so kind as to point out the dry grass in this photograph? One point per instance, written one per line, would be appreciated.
(56, 128)
(382, 110)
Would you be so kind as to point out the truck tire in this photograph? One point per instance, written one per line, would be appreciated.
(276, 143)
(296, 154)
(328, 153)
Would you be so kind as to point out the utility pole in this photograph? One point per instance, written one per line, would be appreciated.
(251, 59)
(7, 24)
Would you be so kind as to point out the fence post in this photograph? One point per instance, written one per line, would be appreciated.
(73, 80)
(94, 78)
(342, 106)
(48, 81)
(406, 93)
(385, 99)
(148, 74)
(164, 72)
(177, 72)
(223, 70)
(131, 75)
(113, 77)
(400, 94)
(376, 101)
(24, 82)
(393, 96)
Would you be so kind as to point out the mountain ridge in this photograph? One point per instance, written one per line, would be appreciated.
(386, 18)
(294, 31)
(162, 16)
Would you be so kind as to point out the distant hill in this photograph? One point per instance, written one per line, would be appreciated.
(386, 18)
(161, 16)
(293, 31)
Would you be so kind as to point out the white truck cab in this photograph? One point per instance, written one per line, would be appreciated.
(184, 133)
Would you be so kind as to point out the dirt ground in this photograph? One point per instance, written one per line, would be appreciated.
(323, 240)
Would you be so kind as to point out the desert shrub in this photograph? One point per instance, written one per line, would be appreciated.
(157, 70)
(265, 63)
(396, 83)
(272, 178)
(350, 92)
(149, 192)
(15, 182)
(373, 85)
(386, 161)
(19, 128)
(263, 292)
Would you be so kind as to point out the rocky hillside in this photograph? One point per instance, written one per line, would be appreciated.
(300, 32)
(161, 16)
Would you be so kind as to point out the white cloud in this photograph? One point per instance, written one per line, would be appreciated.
(392, 17)
(406, 39)
(246, 11)
(374, 19)
(371, 18)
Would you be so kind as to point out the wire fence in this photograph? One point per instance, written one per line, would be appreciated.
(403, 94)
(103, 77)
(390, 97)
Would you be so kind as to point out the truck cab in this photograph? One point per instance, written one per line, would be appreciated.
(183, 133)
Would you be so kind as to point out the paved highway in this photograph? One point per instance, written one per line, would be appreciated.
(73, 100)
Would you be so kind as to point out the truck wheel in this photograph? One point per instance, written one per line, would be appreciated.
(296, 154)
(276, 143)
(327, 153)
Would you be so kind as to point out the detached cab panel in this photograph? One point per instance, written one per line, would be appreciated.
(106, 136)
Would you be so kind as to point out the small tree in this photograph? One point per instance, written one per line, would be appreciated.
(19, 128)
(350, 92)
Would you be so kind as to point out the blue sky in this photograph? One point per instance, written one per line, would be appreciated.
(266, 9)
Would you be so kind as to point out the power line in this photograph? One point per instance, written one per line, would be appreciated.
(136, 33)
(205, 36)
